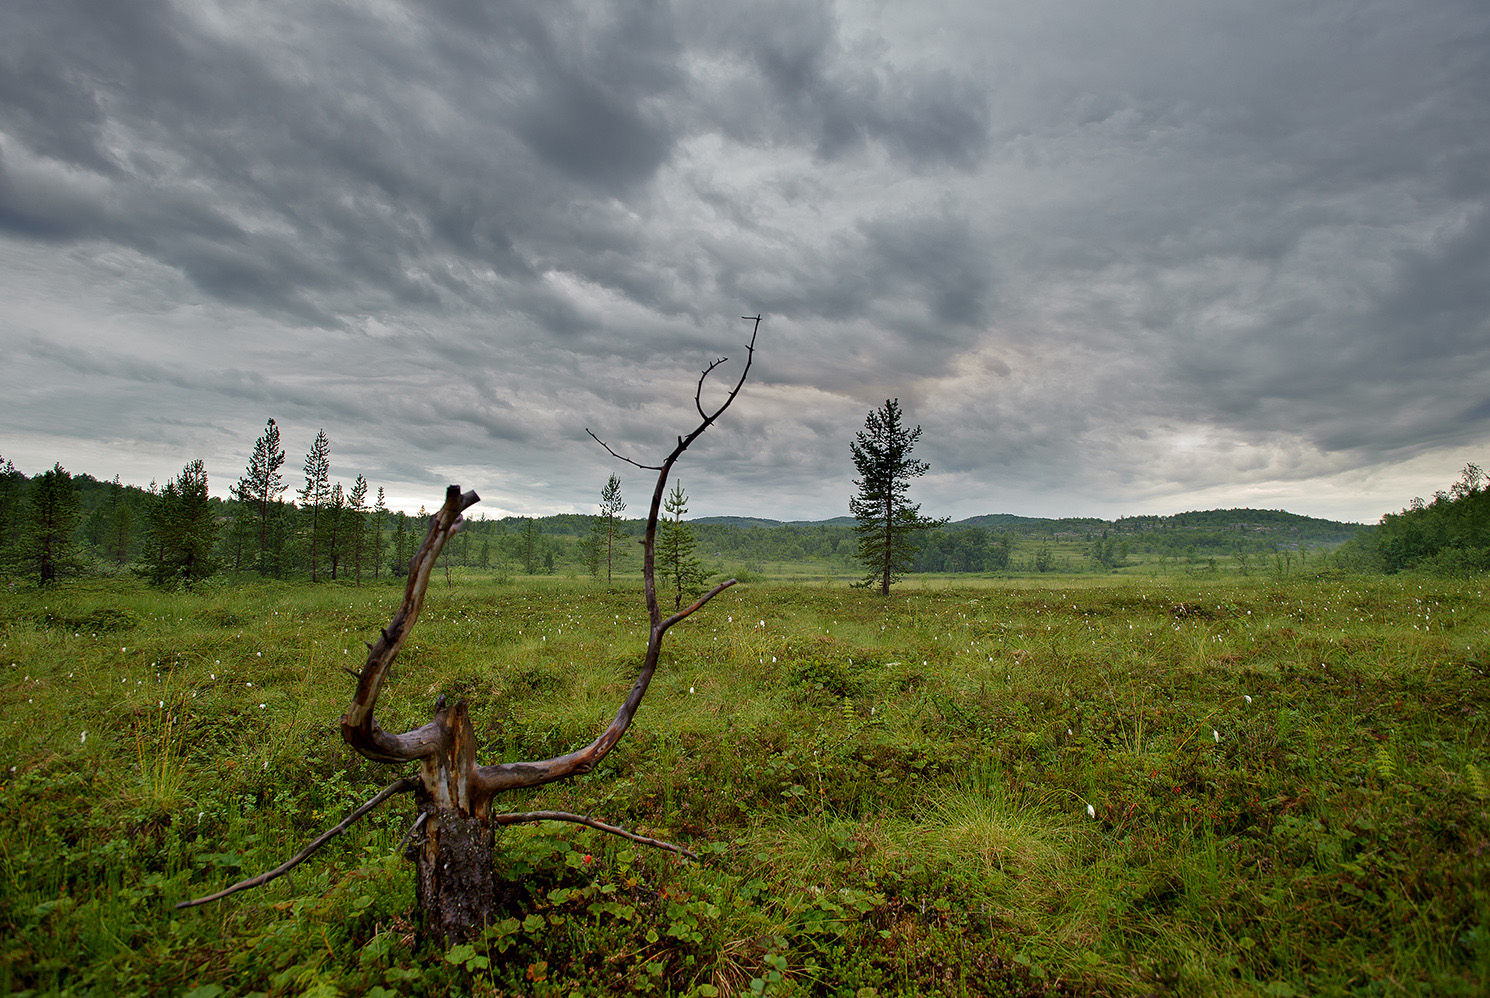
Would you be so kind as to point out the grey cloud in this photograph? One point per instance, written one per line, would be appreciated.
(809, 85)
(474, 228)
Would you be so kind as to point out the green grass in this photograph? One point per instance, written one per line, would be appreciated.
(1087, 785)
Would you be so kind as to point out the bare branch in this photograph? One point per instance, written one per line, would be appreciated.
(423, 816)
(620, 457)
(698, 401)
(402, 786)
(511, 775)
(697, 603)
(359, 727)
(579, 819)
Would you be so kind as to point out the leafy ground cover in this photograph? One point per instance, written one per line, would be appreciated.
(1068, 786)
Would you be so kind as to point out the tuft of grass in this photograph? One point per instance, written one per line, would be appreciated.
(161, 759)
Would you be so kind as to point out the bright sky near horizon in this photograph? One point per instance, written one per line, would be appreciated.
(1113, 258)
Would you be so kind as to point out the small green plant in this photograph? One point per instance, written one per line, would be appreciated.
(1475, 781)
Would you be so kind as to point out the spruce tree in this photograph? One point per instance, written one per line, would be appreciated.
(12, 503)
(119, 526)
(886, 520)
(401, 546)
(182, 530)
(680, 570)
(243, 530)
(51, 515)
(380, 513)
(335, 515)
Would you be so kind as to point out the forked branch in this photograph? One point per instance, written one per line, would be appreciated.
(511, 775)
(359, 727)
(449, 778)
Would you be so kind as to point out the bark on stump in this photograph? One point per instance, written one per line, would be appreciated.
(454, 864)
(454, 857)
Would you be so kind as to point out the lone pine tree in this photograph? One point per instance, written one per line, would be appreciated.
(611, 508)
(887, 520)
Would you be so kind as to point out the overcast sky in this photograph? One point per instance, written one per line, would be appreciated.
(1114, 258)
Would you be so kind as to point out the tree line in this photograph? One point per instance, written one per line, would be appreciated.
(57, 524)
(1448, 534)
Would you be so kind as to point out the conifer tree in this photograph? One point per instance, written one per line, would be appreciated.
(592, 547)
(611, 508)
(314, 495)
(335, 515)
(380, 513)
(119, 525)
(243, 530)
(400, 564)
(259, 492)
(12, 502)
(886, 520)
(182, 530)
(681, 571)
(357, 510)
(51, 515)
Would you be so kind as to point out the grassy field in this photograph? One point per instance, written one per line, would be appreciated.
(1070, 785)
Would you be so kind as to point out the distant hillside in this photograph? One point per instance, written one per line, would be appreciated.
(998, 520)
(1273, 522)
(736, 521)
(756, 521)
(1270, 522)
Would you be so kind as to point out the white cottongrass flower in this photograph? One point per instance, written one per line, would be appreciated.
(1215, 736)
(83, 738)
(690, 689)
(1246, 698)
(1091, 812)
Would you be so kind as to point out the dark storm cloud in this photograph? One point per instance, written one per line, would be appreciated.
(332, 166)
(803, 85)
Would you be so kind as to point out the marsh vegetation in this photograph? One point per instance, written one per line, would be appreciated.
(1187, 783)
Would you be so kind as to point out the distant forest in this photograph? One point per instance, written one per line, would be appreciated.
(118, 528)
